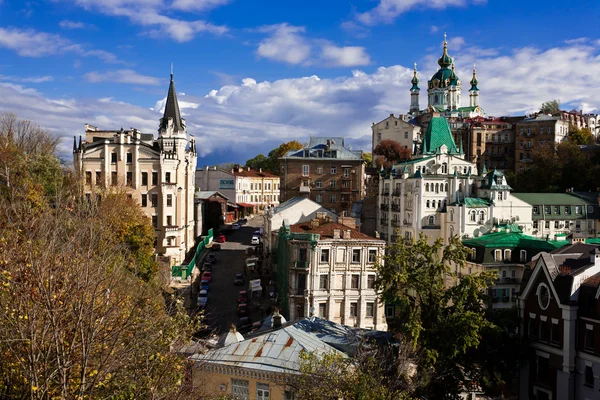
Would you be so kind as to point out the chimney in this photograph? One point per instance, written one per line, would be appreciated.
(259, 170)
(347, 234)
(347, 222)
(314, 223)
(276, 319)
(336, 233)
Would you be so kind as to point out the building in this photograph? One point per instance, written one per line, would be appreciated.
(252, 189)
(440, 194)
(559, 215)
(293, 211)
(325, 171)
(559, 312)
(328, 269)
(398, 129)
(157, 172)
(538, 132)
(215, 209)
(506, 250)
(492, 143)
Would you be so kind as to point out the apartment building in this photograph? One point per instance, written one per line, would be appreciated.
(157, 172)
(400, 129)
(538, 132)
(325, 171)
(328, 269)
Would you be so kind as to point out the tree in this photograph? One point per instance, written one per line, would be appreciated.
(417, 278)
(390, 152)
(271, 163)
(258, 162)
(550, 107)
(367, 158)
(580, 136)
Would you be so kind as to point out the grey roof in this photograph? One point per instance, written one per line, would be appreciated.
(294, 201)
(172, 110)
(326, 143)
(205, 194)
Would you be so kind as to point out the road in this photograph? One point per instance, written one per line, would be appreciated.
(221, 310)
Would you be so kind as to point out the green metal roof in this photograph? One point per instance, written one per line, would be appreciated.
(494, 180)
(470, 108)
(472, 202)
(437, 135)
(551, 199)
(512, 239)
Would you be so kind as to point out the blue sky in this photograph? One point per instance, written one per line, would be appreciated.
(252, 74)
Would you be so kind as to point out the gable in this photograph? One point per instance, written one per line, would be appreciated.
(540, 275)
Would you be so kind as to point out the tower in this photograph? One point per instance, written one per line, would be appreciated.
(414, 93)
(444, 87)
(172, 132)
(474, 91)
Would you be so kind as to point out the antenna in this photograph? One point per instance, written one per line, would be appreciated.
(171, 71)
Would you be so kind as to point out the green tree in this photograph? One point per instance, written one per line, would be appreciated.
(258, 162)
(443, 318)
(550, 107)
(367, 158)
(280, 151)
(580, 136)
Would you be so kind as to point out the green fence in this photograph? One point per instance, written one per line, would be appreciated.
(183, 271)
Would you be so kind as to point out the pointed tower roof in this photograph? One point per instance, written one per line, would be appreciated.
(445, 60)
(437, 135)
(172, 110)
(474, 80)
(415, 80)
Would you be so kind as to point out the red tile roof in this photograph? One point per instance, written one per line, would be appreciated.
(325, 229)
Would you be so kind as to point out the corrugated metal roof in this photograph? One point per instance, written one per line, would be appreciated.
(551, 199)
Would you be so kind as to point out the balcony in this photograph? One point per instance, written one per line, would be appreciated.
(510, 280)
(407, 223)
(385, 192)
(304, 189)
(505, 299)
(385, 207)
(396, 193)
(346, 189)
(383, 221)
(395, 223)
(300, 264)
(396, 207)
(431, 227)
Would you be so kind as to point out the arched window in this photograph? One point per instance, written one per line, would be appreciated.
(473, 215)
(451, 215)
(446, 187)
(460, 187)
(482, 216)
(444, 206)
(451, 231)
(473, 254)
(428, 203)
(435, 99)
(433, 204)
(444, 168)
(427, 187)
(507, 255)
(523, 256)
(431, 220)
(464, 170)
(437, 187)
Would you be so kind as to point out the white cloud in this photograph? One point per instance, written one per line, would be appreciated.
(287, 44)
(387, 10)
(434, 29)
(151, 14)
(355, 29)
(65, 24)
(121, 76)
(31, 43)
(30, 79)
(456, 43)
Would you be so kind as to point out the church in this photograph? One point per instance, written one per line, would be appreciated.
(159, 173)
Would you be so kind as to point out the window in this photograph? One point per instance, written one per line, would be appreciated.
(472, 216)
(507, 255)
(346, 184)
(543, 331)
(305, 170)
(154, 200)
(113, 158)
(451, 215)
(155, 221)
(499, 195)
(323, 310)
(155, 178)
(370, 310)
(355, 256)
(167, 177)
(346, 172)
(169, 220)
(535, 224)
(332, 184)
(555, 332)
(318, 184)
(405, 135)
(354, 309)
(324, 281)
(289, 395)
(498, 255)
(129, 178)
(262, 391)
(333, 170)
(98, 178)
(372, 255)
(547, 224)
(88, 177)
(144, 179)
(144, 200)
(523, 256)
(589, 337)
(354, 279)
(332, 198)
(319, 170)
(547, 209)
(319, 198)
(390, 311)
(531, 328)
(129, 158)
(371, 281)
(169, 200)
(481, 217)
(431, 220)
(556, 209)
(536, 210)
(113, 178)
(577, 209)
(240, 389)
(555, 224)
(589, 376)
(567, 209)
(324, 255)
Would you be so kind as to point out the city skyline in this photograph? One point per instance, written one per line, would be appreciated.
(262, 76)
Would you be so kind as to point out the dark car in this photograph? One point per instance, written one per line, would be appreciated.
(243, 297)
(211, 258)
(242, 310)
(215, 247)
(242, 221)
(204, 284)
(207, 267)
(245, 325)
(239, 279)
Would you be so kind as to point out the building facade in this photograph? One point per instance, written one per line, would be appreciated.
(328, 269)
(325, 171)
(398, 129)
(157, 172)
(538, 132)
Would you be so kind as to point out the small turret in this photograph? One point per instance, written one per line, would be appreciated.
(474, 91)
(414, 93)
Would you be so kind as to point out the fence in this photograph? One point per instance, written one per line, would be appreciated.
(183, 271)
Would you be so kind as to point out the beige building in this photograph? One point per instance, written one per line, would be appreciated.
(158, 173)
(397, 129)
(541, 131)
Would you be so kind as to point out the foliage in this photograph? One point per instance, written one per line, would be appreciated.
(580, 136)
(390, 152)
(367, 158)
(271, 163)
(550, 107)
(417, 278)
(258, 162)
(558, 168)
(375, 372)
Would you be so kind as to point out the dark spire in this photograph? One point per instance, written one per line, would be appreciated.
(172, 110)
(80, 144)
(74, 143)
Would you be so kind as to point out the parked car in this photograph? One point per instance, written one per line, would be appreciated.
(257, 233)
(245, 325)
(242, 310)
(215, 247)
(243, 297)
(207, 275)
(211, 258)
(242, 221)
(207, 267)
(204, 284)
(202, 298)
(255, 240)
(239, 279)
(235, 226)
(221, 238)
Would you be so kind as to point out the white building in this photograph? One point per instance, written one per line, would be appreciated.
(158, 173)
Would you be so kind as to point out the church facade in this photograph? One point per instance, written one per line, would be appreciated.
(157, 172)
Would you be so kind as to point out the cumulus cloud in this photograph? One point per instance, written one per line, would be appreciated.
(152, 15)
(287, 44)
(386, 11)
(230, 118)
(121, 76)
(31, 43)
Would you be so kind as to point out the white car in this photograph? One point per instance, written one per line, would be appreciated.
(255, 240)
(235, 226)
(202, 298)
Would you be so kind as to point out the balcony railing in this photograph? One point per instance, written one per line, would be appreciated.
(383, 221)
(304, 189)
(395, 207)
(385, 207)
(396, 193)
(385, 192)
(395, 223)
(510, 280)
(346, 189)
(300, 264)
(431, 227)
(407, 223)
